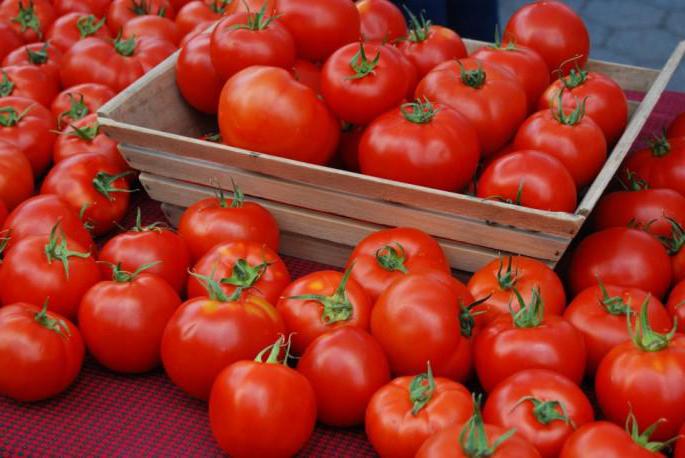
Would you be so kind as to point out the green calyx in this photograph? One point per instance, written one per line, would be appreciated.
(507, 279)
(336, 307)
(419, 111)
(10, 117)
(156, 226)
(659, 145)
(392, 258)
(140, 8)
(529, 315)
(238, 197)
(361, 65)
(88, 225)
(546, 412)
(244, 275)
(642, 440)
(467, 321)
(419, 28)
(576, 77)
(642, 334)
(39, 57)
(272, 352)
(498, 42)
(219, 6)
(214, 291)
(214, 138)
(572, 118)
(77, 110)
(474, 440)
(614, 305)
(6, 85)
(676, 241)
(89, 25)
(86, 133)
(121, 276)
(256, 21)
(56, 250)
(56, 325)
(472, 78)
(421, 390)
(28, 19)
(125, 47)
(104, 184)
(633, 182)
(4, 241)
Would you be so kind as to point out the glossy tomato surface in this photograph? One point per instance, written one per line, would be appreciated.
(381, 21)
(16, 176)
(602, 439)
(196, 76)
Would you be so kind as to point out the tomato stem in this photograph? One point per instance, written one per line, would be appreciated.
(529, 315)
(104, 184)
(140, 8)
(39, 57)
(467, 316)
(125, 47)
(122, 276)
(659, 145)
(575, 78)
(508, 279)
(336, 307)
(472, 78)
(219, 6)
(86, 133)
(28, 19)
(212, 137)
(256, 21)
(361, 65)
(547, 411)
(52, 324)
(676, 241)
(473, 437)
(572, 118)
(57, 249)
(238, 197)
(642, 440)
(419, 112)
(6, 85)
(213, 288)
(635, 183)
(156, 226)
(244, 275)
(392, 259)
(497, 43)
(643, 336)
(613, 305)
(274, 351)
(77, 109)
(419, 28)
(421, 389)
(9, 117)
(89, 25)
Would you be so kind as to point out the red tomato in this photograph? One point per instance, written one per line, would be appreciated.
(497, 280)
(601, 439)
(528, 340)
(676, 307)
(405, 412)
(78, 101)
(606, 103)
(198, 12)
(122, 320)
(200, 29)
(196, 77)
(422, 307)
(91, 185)
(3, 215)
(643, 377)
(428, 45)
(214, 220)
(28, 82)
(662, 165)
(43, 350)
(320, 27)
(47, 266)
(677, 127)
(16, 176)
(268, 99)
(316, 303)
(576, 140)
(531, 179)
(679, 451)
(250, 266)
(552, 29)
(345, 366)
(621, 256)
(411, 73)
(46, 57)
(83, 137)
(675, 243)
(30, 18)
(262, 408)
(381, 21)
(544, 407)
(28, 126)
(152, 27)
(122, 11)
(178, 4)
(115, 64)
(308, 74)
(486, 94)
(9, 40)
(246, 6)
(95, 7)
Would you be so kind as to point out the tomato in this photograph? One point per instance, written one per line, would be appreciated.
(679, 451)
(41, 352)
(676, 307)
(643, 377)
(30, 18)
(552, 29)
(411, 73)
(84, 136)
(122, 11)
(115, 64)
(44, 56)
(576, 140)
(28, 126)
(405, 412)
(196, 76)
(197, 12)
(78, 101)
(496, 282)
(91, 184)
(320, 27)
(531, 179)
(28, 82)
(308, 74)
(122, 320)
(543, 406)
(200, 29)
(621, 256)
(268, 99)
(151, 27)
(528, 340)
(428, 45)
(677, 127)
(178, 4)
(486, 94)
(98, 8)
(208, 333)
(211, 221)
(601, 439)
(16, 176)
(4, 239)
(320, 301)
(47, 266)
(381, 21)
(247, 6)
(662, 165)
(9, 40)
(262, 408)
(606, 102)
(345, 366)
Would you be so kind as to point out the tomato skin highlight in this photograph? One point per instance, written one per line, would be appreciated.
(196, 76)
(601, 439)
(381, 21)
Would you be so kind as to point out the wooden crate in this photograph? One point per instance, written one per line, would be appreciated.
(323, 212)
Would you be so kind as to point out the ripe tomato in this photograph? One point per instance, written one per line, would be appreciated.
(196, 77)
(98, 8)
(214, 220)
(320, 27)
(16, 177)
(428, 45)
(679, 451)
(576, 140)
(91, 185)
(276, 403)
(662, 165)
(122, 320)
(83, 137)
(643, 377)
(531, 179)
(30, 18)
(40, 352)
(411, 74)
(528, 340)
(28, 126)
(78, 101)
(552, 29)
(46, 57)
(677, 127)
(47, 266)
(115, 64)
(676, 307)
(4, 239)
(208, 333)
(316, 303)
(544, 407)
(247, 6)
(268, 99)
(486, 94)
(197, 12)
(601, 439)
(422, 307)
(9, 40)
(405, 412)
(497, 281)
(200, 29)
(122, 11)
(152, 27)
(178, 4)
(345, 366)
(381, 21)
(621, 256)
(28, 82)
(599, 313)
(308, 74)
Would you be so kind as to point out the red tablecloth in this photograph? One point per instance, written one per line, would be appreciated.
(106, 414)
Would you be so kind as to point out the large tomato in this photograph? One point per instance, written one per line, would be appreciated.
(96, 7)
(308, 74)
(44, 56)
(30, 18)
(201, 11)
(268, 99)
(662, 165)
(676, 306)
(196, 76)
(28, 82)
(83, 137)
(407, 411)
(411, 74)
(16, 176)
(345, 366)
(552, 29)
(543, 406)
(599, 313)
(78, 101)
(262, 408)
(486, 94)
(40, 352)
(531, 179)
(675, 243)
(677, 127)
(381, 21)
(621, 256)
(9, 40)
(115, 63)
(202, 28)
(122, 11)
(601, 439)
(151, 27)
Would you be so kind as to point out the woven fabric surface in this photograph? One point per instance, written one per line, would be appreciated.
(106, 414)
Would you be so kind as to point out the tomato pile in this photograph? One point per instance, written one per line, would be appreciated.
(499, 366)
